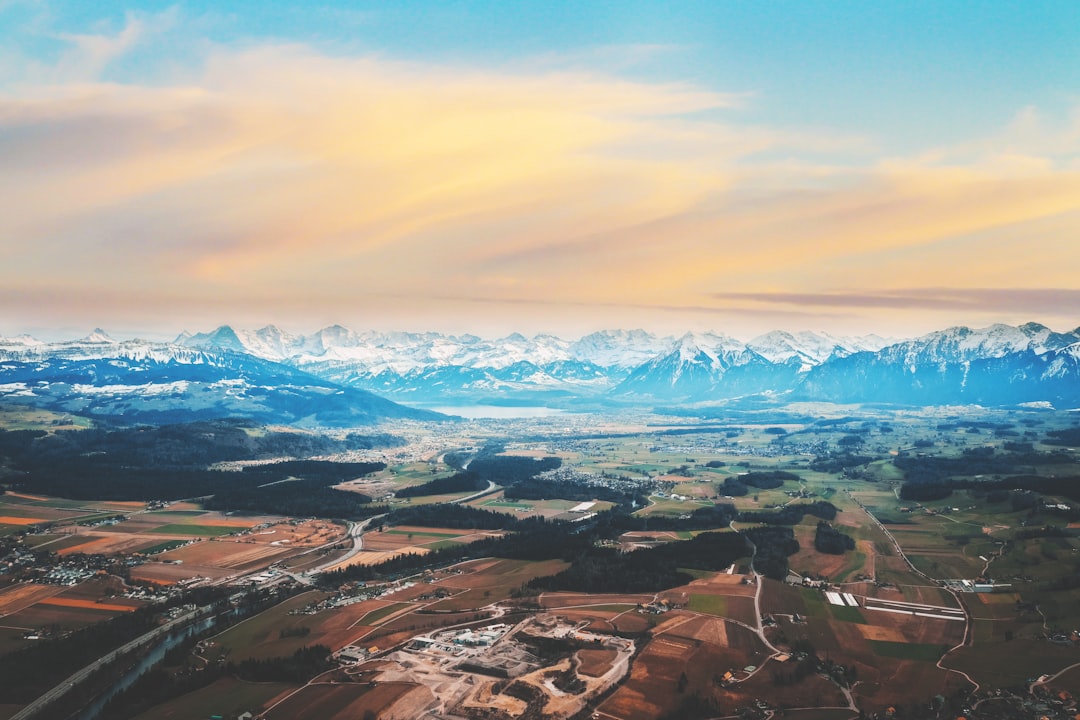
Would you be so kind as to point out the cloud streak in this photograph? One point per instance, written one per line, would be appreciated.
(1033, 300)
(277, 176)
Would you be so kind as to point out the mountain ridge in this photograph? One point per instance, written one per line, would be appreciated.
(997, 364)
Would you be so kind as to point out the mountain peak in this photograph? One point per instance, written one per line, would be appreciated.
(97, 335)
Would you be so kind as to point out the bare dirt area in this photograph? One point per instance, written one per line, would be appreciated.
(461, 666)
(100, 543)
(567, 600)
(687, 650)
(405, 537)
(346, 701)
(596, 663)
(163, 574)
(19, 597)
(232, 555)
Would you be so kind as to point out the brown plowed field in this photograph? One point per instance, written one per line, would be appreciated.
(652, 688)
(87, 604)
(226, 554)
(21, 596)
(595, 663)
(163, 574)
(404, 536)
(386, 701)
(560, 600)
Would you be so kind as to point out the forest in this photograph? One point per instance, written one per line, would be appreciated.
(608, 570)
(505, 470)
(828, 539)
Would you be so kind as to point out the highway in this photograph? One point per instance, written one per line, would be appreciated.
(60, 690)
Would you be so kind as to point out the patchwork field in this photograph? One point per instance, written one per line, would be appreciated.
(227, 697)
(387, 701)
(550, 509)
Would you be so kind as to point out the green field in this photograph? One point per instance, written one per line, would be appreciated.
(175, 513)
(847, 614)
(506, 504)
(709, 604)
(422, 533)
(441, 544)
(226, 698)
(163, 547)
(376, 615)
(195, 530)
(907, 651)
(241, 639)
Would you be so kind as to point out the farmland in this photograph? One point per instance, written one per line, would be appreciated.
(841, 632)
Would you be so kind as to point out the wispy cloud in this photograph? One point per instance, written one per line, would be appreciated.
(277, 171)
(1033, 300)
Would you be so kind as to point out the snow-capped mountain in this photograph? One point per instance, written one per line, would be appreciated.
(434, 367)
(999, 364)
(705, 365)
(138, 381)
(808, 349)
(631, 366)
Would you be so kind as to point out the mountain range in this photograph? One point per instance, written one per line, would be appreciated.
(339, 377)
(145, 382)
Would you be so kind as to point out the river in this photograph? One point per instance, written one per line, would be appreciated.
(156, 654)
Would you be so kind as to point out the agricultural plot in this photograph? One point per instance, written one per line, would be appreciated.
(19, 597)
(884, 639)
(284, 628)
(388, 700)
(19, 512)
(30, 606)
(551, 509)
(482, 582)
(227, 697)
(687, 651)
(407, 539)
(837, 568)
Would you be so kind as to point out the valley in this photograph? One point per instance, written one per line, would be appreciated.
(693, 544)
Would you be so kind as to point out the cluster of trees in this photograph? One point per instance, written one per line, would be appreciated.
(301, 666)
(607, 570)
(125, 466)
(828, 539)
(30, 672)
(1064, 485)
(791, 514)
(452, 516)
(299, 488)
(505, 470)
(185, 445)
(539, 539)
(974, 461)
(161, 683)
(772, 546)
(767, 479)
(543, 489)
(837, 462)
(458, 482)
(734, 487)
(1070, 437)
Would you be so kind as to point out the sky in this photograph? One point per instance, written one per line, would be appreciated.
(492, 167)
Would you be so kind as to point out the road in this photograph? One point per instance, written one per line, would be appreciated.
(490, 488)
(356, 532)
(60, 690)
(920, 573)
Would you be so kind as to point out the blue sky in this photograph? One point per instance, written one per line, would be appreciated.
(540, 166)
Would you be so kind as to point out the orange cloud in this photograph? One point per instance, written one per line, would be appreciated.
(280, 173)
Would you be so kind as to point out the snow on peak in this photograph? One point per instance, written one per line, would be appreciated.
(97, 335)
